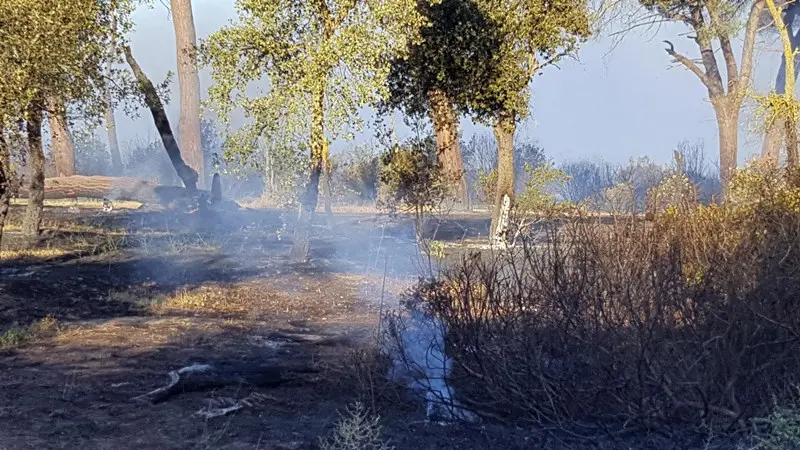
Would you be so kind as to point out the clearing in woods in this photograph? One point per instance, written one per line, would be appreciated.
(114, 301)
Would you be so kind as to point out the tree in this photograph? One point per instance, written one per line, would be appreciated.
(534, 34)
(34, 34)
(60, 140)
(326, 57)
(189, 136)
(781, 107)
(441, 73)
(711, 21)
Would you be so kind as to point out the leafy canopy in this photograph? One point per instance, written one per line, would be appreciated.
(53, 49)
(286, 50)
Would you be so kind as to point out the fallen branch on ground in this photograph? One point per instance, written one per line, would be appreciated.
(200, 377)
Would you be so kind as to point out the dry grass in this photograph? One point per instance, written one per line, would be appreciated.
(232, 299)
(82, 203)
(36, 253)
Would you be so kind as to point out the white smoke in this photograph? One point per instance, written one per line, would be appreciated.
(419, 362)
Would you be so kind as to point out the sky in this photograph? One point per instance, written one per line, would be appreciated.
(615, 101)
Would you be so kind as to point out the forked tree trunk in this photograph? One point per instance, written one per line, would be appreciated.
(61, 142)
(185, 173)
(302, 231)
(113, 142)
(445, 125)
(32, 221)
(189, 83)
(504, 134)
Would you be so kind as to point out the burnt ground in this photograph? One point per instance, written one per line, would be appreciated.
(112, 302)
(137, 294)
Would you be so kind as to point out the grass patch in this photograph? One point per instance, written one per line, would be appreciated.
(36, 253)
(16, 337)
(216, 299)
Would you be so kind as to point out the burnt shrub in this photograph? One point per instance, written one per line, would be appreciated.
(691, 318)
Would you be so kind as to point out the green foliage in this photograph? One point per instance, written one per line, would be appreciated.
(412, 178)
(357, 172)
(339, 47)
(77, 34)
(493, 48)
(783, 430)
(537, 197)
(486, 185)
(91, 154)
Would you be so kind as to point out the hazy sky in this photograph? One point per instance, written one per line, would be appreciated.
(612, 103)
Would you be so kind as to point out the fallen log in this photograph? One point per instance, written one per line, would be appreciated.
(122, 189)
(200, 377)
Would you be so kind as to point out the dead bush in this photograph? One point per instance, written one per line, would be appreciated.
(690, 319)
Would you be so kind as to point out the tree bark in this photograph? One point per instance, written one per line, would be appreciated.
(327, 195)
(504, 134)
(728, 125)
(775, 134)
(61, 141)
(5, 181)
(302, 232)
(445, 125)
(189, 135)
(113, 142)
(153, 102)
(32, 221)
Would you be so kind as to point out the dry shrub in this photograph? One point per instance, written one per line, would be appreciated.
(691, 319)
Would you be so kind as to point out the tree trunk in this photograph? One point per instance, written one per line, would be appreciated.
(61, 142)
(113, 142)
(189, 84)
(445, 125)
(326, 183)
(185, 173)
(504, 134)
(302, 232)
(728, 125)
(775, 137)
(5, 181)
(32, 221)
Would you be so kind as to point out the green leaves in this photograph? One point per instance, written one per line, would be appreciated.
(53, 49)
(285, 50)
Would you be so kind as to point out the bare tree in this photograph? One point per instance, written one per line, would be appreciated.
(189, 136)
(713, 21)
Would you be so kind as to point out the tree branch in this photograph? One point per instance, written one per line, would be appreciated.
(689, 64)
(748, 47)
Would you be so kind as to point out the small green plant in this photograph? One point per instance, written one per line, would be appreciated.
(18, 336)
(784, 430)
(357, 430)
(436, 249)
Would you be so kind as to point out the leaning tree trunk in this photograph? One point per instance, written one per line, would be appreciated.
(32, 221)
(302, 232)
(61, 142)
(189, 84)
(504, 134)
(185, 173)
(445, 124)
